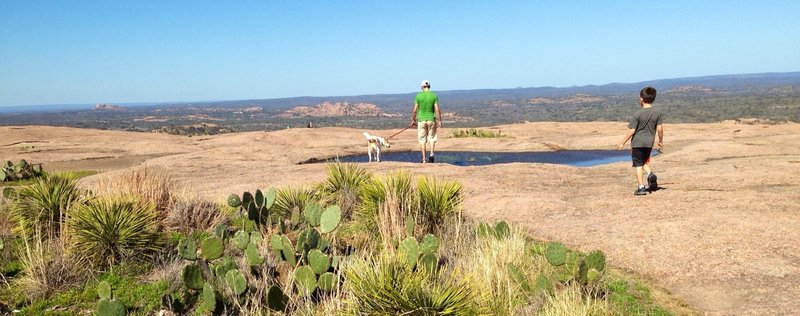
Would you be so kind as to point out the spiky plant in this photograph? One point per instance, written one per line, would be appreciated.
(290, 197)
(439, 203)
(384, 285)
(189, 215)
(42, 206)
(107, 231)
(385, 202)
(343, 186)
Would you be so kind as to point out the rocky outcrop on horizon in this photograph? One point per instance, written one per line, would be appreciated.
(328, 109)
(108, 107)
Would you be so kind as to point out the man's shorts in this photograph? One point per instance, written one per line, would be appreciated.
(426, 131)
(640, 155)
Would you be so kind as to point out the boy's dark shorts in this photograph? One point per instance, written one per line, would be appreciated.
(640, 155)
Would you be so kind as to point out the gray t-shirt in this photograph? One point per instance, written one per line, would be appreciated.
(644, 121)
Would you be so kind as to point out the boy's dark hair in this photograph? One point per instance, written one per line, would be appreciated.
(648, 94)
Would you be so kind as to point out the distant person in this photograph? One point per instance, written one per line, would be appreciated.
(427, 117)
(642, 129)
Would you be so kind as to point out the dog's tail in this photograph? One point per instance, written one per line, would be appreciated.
(367, 135)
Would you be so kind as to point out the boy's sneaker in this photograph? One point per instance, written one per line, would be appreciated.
(652, 181)
(430, 159)
(640, 191)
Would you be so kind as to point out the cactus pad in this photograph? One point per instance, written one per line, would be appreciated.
(252, 255)
(259, 199)
(221, 231)
(430, 244)
(111, 308)
(318, 261)
(288, 251)
(187, 249)
(305, 279)
(501, 229)
(234, 201)
(236, 281)
(312, 214)
(104, 290)
(596, 260)
(429, 262)
(225, 264)
(484, 230)
(192, 276)
(247, 199)
(543, 283)
(327, 281)
(409, 251)
(209, 298)
(241, 239)
(409, 225)
(256, 238)
(556, 253)
(330, 219)
(308, 239)
(269, 198)
(519, 277)
(211, 248)
(276, 299)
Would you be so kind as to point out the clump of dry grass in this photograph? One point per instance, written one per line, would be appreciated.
(572, 300)
(47, 268)
(149, 184)
(187, 215)
(391, 221)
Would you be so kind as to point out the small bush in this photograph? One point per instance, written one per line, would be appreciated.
(42, 206)
(108, 231)
(185, 216)
(463, 133)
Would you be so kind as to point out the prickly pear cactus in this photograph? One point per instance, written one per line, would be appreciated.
(211, 248)
(104, 290)
(318, 261)
(295, 218)
(430, 244)
(556, 253)
(543, 283)
(288, 251)
(312, 214)
(256, 238)
(209, 298)
(484, 230)
(269, 198)
(187, 249)
(223, 266)
(111, 308)
(306, 280)
(241, 239)
(192, 277)
(308, 239)
(259, 199)
(221, 231)
(409, 225)
(236, 281)
(596, 260)
(519, 277)
(327, 281)
(501, 230)
(429, 262)
(276, 299)
(330, 219)
(252, 255)
(247, 199)
(409, 251)
(234, 201)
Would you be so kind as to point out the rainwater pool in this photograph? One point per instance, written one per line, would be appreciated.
(577, 158)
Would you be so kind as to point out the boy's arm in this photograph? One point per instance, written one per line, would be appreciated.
(660, 132)
(438, 114)
(627, 137)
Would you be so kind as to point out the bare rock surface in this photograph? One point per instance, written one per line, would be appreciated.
(722, 233)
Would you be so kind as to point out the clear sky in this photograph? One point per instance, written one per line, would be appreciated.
(63, 52)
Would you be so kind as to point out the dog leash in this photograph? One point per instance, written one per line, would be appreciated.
(402, 130)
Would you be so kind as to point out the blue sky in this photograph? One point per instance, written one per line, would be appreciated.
(64, 52)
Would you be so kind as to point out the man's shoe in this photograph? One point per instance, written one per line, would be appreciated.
(430, 159)
(652, 181)
(640, 191)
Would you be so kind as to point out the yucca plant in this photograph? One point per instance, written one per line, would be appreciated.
(41, 206)
(390, 195)
(439, 203)
(343, 186)
(290, 197)
(386, 286)
(107, 231)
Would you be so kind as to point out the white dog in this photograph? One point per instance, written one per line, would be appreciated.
(374, 144)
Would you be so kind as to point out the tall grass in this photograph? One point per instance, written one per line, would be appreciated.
(572, 300)
(385, 201)
(47, 268)
(187, 215)
(108, 231)
(41, 207)
(150, 185)
(439, 203)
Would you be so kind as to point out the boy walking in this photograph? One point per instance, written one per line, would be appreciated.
(642, 129)
(427, 117)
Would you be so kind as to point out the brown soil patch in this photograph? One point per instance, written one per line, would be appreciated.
(723, 234)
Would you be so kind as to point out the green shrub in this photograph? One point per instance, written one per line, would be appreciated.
(107, 231)
(386, 286)
(463, 133)
(44, 204)
(290, 198)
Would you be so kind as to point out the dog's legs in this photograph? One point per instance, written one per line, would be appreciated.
(378, 154)
(369, 153)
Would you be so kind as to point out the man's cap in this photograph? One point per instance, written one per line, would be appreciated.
(425, 83)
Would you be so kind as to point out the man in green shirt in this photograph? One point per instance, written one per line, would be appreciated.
(426, 105)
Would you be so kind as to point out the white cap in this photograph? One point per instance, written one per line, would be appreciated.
(425, 83)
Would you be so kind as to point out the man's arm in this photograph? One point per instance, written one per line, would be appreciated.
(627, 137)
(438, 114)
(414, 114)
(660, 132)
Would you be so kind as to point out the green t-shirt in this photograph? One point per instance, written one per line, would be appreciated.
(425, 101)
